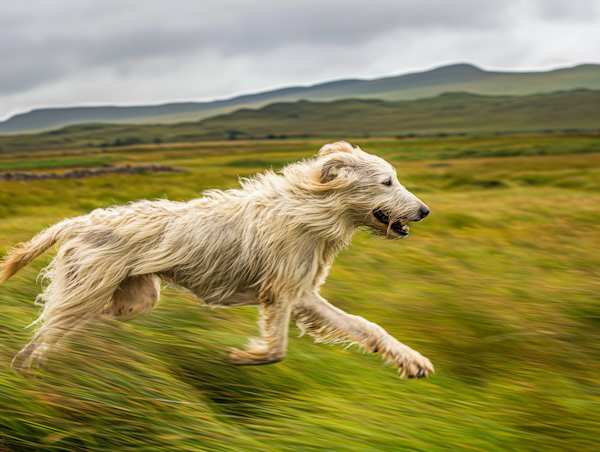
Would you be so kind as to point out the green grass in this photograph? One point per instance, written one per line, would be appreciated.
(498, 287)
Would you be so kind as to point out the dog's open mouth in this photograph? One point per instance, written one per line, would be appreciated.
(399, 227)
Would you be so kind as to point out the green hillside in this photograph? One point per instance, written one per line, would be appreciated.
(452, 112)
(498, 287)
(453, 78)
(447, 113)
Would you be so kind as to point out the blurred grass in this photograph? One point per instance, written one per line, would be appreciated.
(498, 287)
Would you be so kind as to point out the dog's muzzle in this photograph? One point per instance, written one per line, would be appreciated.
(400, 227)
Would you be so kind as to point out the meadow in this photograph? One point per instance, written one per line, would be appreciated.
(498, 287)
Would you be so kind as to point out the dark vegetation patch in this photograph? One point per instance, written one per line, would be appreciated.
(83, 173)
(473, 182)
(34, 162)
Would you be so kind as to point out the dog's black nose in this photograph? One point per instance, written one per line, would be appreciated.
(424, 211)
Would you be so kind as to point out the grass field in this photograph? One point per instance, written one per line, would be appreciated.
(498, 287)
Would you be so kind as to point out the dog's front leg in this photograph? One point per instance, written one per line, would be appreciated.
(325, 322)
(272, 346)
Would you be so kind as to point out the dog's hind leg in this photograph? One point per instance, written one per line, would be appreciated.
(66, 318)
(326, 323)
(80, 288)
(134, 297)
(272, 346)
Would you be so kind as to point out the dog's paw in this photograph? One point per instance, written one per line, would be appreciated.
(28, 359)
(416, 366)
(21, 366)
(251, 357)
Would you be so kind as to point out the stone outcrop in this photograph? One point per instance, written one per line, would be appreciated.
(83, 173)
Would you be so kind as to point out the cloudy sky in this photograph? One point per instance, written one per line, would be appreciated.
(124, 52)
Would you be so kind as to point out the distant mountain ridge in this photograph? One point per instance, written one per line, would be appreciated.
(457, 77)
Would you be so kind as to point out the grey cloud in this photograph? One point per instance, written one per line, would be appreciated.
(46, 51)
(565, 11)
(49, 43)
(33, 63)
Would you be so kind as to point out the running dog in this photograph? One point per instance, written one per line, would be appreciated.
(268, 244)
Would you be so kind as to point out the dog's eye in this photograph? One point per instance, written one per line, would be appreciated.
(387, 182)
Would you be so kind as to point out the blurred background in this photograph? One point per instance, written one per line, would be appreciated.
(489, 110)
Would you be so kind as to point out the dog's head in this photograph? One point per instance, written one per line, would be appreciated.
(366, 188)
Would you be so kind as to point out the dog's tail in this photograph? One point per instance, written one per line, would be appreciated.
(23, 253)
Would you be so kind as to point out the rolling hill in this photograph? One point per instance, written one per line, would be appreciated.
(446, 113)
(459, 77)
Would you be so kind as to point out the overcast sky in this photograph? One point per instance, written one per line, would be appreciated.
(125, 52)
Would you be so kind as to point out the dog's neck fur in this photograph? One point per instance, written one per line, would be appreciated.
(322, 215)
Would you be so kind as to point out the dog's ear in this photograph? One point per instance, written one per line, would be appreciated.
(332, 169)
(338, 160)
(336, 171)
(334, 148)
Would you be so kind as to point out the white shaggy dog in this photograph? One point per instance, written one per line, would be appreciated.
(269, 244)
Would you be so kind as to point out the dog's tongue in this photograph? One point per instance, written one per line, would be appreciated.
(398, 226)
